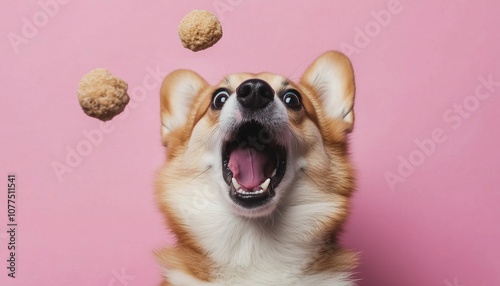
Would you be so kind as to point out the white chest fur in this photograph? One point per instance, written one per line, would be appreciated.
(277, 278)
(270, 251)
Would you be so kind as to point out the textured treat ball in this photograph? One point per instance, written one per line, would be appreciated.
(199, 30)
(102, 95)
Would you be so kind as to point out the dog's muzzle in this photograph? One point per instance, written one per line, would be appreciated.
(253, 162)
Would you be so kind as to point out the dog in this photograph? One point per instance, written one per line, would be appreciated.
(258, 180)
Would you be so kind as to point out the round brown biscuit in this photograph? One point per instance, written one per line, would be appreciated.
(199, 30)
(102, 95)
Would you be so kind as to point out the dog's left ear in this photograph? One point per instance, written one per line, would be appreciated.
(332, 78)
(177, 94)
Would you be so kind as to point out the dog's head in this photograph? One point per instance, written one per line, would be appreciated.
(256, 138)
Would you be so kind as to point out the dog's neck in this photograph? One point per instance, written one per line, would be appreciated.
(290, 236)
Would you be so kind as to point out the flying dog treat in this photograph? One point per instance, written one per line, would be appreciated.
(199, 30)
(102, 95)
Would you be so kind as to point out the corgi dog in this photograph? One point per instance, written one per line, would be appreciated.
(258, 179)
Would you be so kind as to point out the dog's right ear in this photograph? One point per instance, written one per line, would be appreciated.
(177, 94)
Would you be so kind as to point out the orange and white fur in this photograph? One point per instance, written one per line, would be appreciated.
(257, 180)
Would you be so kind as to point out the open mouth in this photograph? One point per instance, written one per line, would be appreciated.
(253, 165)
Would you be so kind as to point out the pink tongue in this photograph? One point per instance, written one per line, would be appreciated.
(249, 167)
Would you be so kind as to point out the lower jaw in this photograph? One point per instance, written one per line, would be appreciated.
(255, 212)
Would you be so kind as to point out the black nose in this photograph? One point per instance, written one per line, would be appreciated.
(254, 94)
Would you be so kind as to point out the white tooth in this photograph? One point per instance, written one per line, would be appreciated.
(235, 184)
(265, 185)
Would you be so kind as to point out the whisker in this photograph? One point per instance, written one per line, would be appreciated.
(296, 69)
(302, 170)
(209, 167)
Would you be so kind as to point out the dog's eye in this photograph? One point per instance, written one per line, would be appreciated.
(219, 98)
(292, 100)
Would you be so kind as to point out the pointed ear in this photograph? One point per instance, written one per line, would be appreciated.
(331, 77)
(177, 93)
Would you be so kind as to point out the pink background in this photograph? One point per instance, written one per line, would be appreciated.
(438, 225)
